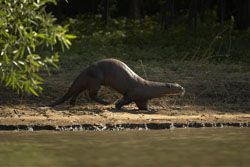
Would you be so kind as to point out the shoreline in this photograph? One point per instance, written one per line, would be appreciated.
(119, 127)
(100, 118)
(108, 120)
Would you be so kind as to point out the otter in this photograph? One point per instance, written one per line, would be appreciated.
(117, 75)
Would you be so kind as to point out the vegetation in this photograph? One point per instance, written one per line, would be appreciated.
(140, 30)
(214, 30)
(145, 39)
(212, 63)
(25, 28)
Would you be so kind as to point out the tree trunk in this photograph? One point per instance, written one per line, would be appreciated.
(106, 11)
(167, 11)
(136, 9)
(192, 18)
(242, 14)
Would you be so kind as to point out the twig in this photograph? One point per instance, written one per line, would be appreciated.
(230, 40)
(143, 69)
(211, 44)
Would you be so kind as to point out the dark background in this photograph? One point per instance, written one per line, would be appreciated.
(169, 10)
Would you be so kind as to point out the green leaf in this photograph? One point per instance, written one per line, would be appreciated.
(9, 79)
(2, 41)
(3, 77)
(26, 68)
(68, 42)
(43, 36)
(59, 29)
(22, 52)
(37, 76)
(69, 36)
(5, 57)
(25, 25)
(33, 91)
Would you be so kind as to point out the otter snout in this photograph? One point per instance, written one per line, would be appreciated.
(175, 89)
(181, 89)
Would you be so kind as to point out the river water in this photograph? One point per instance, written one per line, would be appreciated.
(177, 147)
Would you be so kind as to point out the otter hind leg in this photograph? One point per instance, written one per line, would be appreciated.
(75, 89)
(74, 97)
(93, 91)
(94, 97)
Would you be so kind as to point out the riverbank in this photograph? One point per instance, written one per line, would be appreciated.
(216, 95)
(97, 117)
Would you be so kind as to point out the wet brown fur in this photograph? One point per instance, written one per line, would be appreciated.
(117, 75)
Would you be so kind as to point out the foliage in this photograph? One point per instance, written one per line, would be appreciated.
(25, 27)
(145, 39)
(117, 31)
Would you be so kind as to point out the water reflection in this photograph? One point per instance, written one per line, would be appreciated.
(178, 147)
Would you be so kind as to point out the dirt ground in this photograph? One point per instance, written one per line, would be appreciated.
(210, 98)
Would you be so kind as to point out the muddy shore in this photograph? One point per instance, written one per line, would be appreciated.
(97, 117)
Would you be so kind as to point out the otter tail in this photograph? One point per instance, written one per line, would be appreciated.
(77, 86)
(62, 99)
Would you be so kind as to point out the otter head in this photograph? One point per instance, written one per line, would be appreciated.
(174, 89)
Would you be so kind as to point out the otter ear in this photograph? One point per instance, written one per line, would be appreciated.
(168, 85)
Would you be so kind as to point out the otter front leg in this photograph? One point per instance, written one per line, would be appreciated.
(122, 102)
(142, 104)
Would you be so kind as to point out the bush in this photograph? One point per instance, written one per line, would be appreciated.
(24, 28)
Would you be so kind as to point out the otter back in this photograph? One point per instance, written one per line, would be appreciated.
(117, 75)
